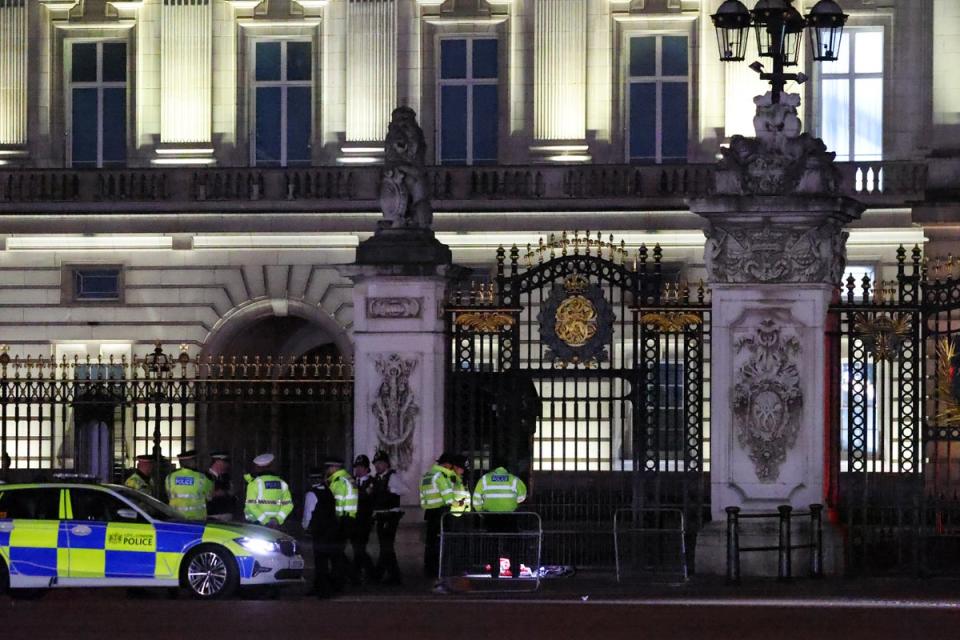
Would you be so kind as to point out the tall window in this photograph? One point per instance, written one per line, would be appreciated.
(98, 104)
(283, 103)
(851, 97)
(658, 86)
(468, 101)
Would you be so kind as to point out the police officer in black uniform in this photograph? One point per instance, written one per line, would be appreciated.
(360, 534)
(321, 522)
(223, 505)
(386, 491)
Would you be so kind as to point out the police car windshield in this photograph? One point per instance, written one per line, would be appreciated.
(151, 506)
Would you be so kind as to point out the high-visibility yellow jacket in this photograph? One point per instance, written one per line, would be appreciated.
(188, 492)
(499, 492)
(344, 493)
(138, 482)
(436, 487)
(268, 498)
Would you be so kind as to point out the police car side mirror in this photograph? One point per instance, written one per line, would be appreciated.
(127, 514)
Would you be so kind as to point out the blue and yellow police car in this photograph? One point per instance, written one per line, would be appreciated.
(98, 535)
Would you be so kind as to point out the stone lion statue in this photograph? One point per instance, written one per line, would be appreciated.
(404, 194)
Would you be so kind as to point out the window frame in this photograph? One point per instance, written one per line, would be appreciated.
(99, 85)
(469, 82)
(851, 77)
(69, 294)
(283, 84)
(658, 79)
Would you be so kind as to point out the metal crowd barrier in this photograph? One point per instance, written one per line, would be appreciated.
(784, 547)
(650, 542)
(483, 552)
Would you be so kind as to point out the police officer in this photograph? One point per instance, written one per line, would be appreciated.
(223, 503)
(497, 494)
(187, 489)
(386, 493)
(436, 497)
(461, 494)
(268, 502)
(499, 491)
(142, 477)
(345, 504)
(360, 536)
(321, 522)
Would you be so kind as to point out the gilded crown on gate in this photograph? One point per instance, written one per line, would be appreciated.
(575, 283)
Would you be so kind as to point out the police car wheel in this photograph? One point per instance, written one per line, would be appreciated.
(209, 573)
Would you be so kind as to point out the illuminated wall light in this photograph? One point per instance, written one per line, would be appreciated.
(556, 148)
(358, 160)
(183, 161)
(363, 150)
(87, 243)
(569, 157)
(185, 151)
(275, 241)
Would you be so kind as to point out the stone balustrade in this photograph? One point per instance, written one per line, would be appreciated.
(354, 188)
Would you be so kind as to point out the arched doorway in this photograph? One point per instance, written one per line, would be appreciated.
(287, 389)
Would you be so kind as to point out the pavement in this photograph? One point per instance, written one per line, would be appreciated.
(589, 605)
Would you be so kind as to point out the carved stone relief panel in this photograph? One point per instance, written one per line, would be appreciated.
(395, 408)
(767, 396)
(768, 254)
(394, 307)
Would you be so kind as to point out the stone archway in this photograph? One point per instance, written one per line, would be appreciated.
(288, 411)
(275, 327)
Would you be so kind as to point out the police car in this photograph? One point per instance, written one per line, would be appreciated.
(99, 535)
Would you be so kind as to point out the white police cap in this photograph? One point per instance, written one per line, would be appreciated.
(263, 460)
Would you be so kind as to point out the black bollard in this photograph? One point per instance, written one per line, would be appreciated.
(733, 545)
(816, 540)
(784, 569)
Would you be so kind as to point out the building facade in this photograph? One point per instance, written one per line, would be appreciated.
(192, 172)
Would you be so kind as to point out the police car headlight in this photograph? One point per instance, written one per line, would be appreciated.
(258, 545)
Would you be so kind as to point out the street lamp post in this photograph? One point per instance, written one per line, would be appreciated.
(157, 366)
(779, 30)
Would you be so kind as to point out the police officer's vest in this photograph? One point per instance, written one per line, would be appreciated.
(436, 488)
(324, 521)
(499, 492)
(138, 482)
(383, 499)
(345, 494)
(268, 498)
(461, 498)
(188, 492)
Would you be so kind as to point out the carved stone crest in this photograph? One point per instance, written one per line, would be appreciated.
(780, 159)
(767, 398)
(404, 195)
(768, 254)
(395, 408)
(394, 307)
(576, 322)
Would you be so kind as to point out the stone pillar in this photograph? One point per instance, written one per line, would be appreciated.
(13, 80)
(399, 364)
(371, 91)
(560, 85)
(186, 86)
(775, 252)
(400, 281)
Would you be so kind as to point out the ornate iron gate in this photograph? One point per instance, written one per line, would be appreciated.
(896, 457)
(95, 415)
(584, 371)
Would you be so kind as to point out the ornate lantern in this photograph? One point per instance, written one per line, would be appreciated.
(732, 22)
(779, 28)
(826, 21)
